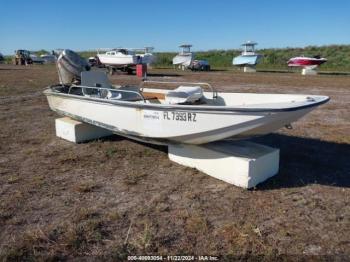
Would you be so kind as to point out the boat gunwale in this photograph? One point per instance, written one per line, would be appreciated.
(49, 92)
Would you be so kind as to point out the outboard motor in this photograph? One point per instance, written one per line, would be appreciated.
(70, 65)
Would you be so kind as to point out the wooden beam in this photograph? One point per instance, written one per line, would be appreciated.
(153, 95)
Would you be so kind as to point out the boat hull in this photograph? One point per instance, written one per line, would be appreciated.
(184, 59)
(172, 125)
(246, 60)
(306, 62)
(120, 61)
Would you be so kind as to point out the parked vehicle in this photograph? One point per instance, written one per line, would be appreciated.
(22, 57)
(48, 59)
(36, 59)
(200, 65)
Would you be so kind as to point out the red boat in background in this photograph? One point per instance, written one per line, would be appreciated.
(304, 61)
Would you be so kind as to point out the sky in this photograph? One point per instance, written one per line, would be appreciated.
(225, 24)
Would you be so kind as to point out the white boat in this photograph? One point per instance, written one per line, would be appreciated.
(119, 57)
(248, 56)
(186, 114)
(153, 115)
(184, 58)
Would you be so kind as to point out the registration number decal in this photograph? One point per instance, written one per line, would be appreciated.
(180, 116)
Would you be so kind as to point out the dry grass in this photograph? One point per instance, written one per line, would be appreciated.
(112, 197)
(85, 186)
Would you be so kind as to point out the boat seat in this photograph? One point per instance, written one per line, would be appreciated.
(95, 79)
(184, 95)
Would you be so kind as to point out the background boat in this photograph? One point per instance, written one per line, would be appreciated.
(248, 56)
(303, 61)
(184, 58)
(119, 57)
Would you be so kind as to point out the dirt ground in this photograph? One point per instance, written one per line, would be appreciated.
(114, 197)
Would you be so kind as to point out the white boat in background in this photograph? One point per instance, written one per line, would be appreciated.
(186, 114)
(124, 57)
(248, 56)
(184, 58)
(119, 57)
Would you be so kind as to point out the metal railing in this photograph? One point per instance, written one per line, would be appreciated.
(101, 89)
(215, 93)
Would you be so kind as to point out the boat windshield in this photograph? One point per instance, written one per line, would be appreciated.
(249, 48)
(185, 49)
(125, 51)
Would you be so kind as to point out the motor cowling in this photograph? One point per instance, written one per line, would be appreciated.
(70, 65)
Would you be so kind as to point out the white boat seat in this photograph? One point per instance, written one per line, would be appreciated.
(184, 94)
(95, 79)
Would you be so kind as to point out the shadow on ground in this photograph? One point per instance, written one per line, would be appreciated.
(116, 138)
(12, 69)
(163, 75)
(274, 71)
(306, 161)
(303, 161)
(334, 73)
